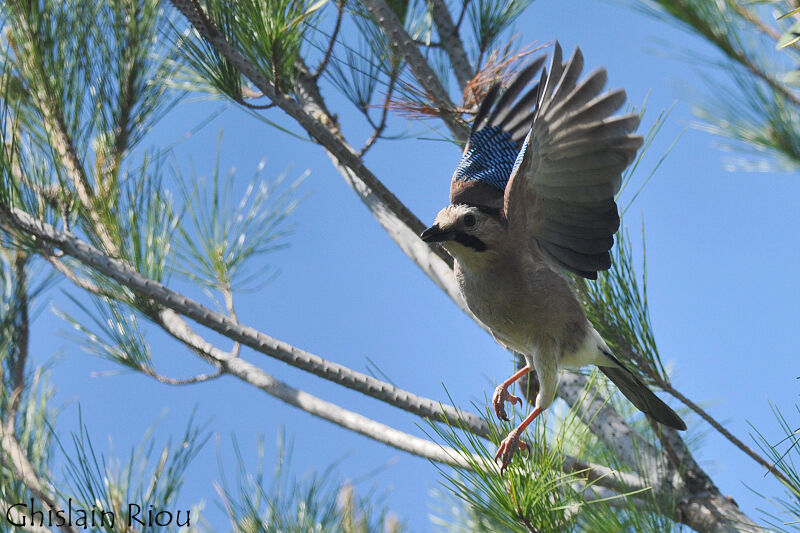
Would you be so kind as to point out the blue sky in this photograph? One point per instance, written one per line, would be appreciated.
(721, 247)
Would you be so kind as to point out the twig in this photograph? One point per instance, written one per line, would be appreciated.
(327, 57)
(727, 434)
(461, 15)
(419, 66)
(228, 295)
(54, 259)
(384, 115)
(256, 107)
(200, 378)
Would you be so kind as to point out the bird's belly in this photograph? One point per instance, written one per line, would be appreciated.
(526, 310)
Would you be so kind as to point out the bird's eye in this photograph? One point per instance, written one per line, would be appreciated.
(469, 220)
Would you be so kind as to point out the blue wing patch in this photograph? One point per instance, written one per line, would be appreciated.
(490, 157)
(521, 155)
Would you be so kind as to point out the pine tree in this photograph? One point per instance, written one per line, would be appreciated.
(83, 204)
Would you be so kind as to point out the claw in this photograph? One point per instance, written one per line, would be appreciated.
(500, 396)
(508, 447)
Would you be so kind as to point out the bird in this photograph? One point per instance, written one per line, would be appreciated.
(533, 199)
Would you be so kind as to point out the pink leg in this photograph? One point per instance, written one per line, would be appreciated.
(501, 394)
(512, 442)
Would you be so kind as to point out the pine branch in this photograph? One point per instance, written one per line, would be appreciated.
(13, 219)
(229, 363)
(419, 66)
(53, 118)
(451, 42)
(398, 221)
(700, 504)
(624, 441)
(21, 337)
(251, 374)
(13, 457)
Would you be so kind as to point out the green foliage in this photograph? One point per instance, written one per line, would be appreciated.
(764, 119)
(220, 236)
(490, 18)
(618, 310)
(31, 405)
(318, 503)
(758, 105)
(110, 330)
(537, 493)
(103, 82)
(201, 67)
(784, 515)
(269, 34)
(147, 477)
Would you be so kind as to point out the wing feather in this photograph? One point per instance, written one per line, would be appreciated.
(561, 191)
(495, 140)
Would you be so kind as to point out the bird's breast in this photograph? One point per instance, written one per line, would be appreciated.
(502, 301)
(523, 305)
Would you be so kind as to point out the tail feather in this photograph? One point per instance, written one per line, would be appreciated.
(642, 397)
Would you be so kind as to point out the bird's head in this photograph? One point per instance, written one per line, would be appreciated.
(466, 230)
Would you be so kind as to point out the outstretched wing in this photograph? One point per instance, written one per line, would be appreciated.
(494, 142)
(561, 191)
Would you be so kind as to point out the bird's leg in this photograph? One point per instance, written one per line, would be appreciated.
(501, 394)
(512, 442)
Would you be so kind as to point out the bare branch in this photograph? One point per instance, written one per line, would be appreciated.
(13, 219)
(451, 42)
(236, 366)
(461, 15)
(384, 116)
(200, 378)
(21, 337)
(727, 434)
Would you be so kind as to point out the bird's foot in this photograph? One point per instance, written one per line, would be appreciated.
(508, 447)
(499, 398)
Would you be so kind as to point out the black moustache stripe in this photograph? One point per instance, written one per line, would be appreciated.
(470, 241)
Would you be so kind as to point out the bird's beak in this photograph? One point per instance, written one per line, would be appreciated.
(436, 234)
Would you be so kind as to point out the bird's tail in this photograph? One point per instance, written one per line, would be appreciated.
(641, 396)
